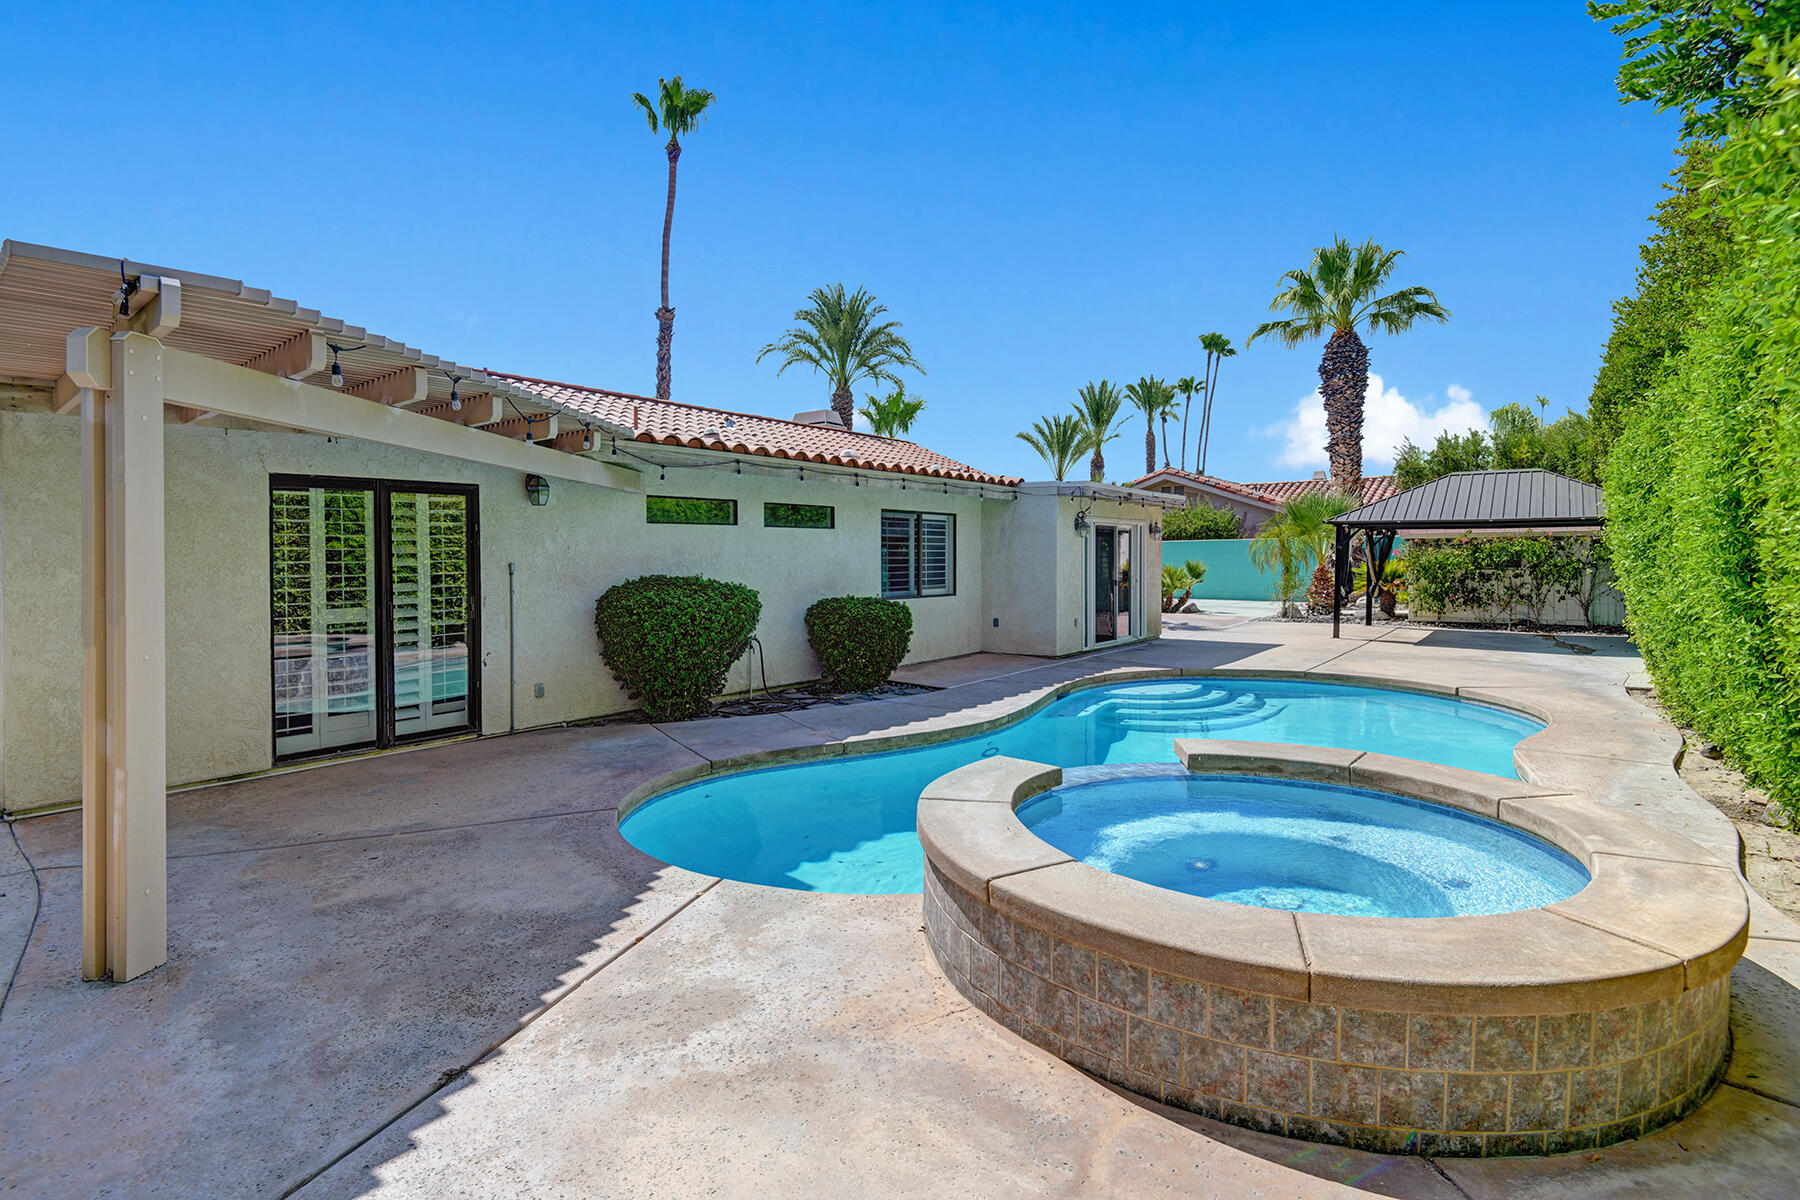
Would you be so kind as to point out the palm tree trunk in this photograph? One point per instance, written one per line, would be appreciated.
(1343, 378)
(1097, 467)
(1165, 432)
(665, 316)
(1149, 445)
(1187, 406)
(1212, 368)
(844, 405)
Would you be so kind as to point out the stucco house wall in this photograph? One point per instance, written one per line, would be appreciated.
(565, 555)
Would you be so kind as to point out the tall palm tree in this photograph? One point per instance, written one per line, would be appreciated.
(893, 415)
(1154, 399)
(1061, 440)
(1296, 539)
(839, 335)
(1218, 349)
(1098, 408)
(1187, 385)
(680, 110)
(1337, 292)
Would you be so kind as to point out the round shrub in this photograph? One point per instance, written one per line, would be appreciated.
(670, 639)
(859, 639)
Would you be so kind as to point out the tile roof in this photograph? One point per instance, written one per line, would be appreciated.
(667, 423)
(1374, 487)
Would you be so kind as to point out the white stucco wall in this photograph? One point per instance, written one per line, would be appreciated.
(566, 554)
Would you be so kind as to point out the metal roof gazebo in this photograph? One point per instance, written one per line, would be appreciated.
(1493, 502)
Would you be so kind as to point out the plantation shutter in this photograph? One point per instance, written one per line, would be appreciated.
(897, 574)
(937, 575)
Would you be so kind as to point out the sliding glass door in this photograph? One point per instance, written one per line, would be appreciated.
(1110, 590)
(374, 612)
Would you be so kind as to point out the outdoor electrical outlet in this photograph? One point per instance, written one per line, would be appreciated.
(538, 691)
(996, 622)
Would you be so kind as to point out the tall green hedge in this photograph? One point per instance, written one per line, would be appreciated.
(670, 639)
(1703, 482)
(859, 639)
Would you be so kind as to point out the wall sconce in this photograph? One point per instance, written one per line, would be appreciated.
(1081, 521)
(1156, 529)
(537, 488)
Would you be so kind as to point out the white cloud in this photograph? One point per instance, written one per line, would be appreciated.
(1388, 420)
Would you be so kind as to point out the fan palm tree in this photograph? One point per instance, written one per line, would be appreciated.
(1218, 349)
(1061, 440)
(1098, 408)
(1337, 292)
(1155, 399)
(1187, 385)
(680, 110)
(839, 335)
(1296, 539)
(893, 415)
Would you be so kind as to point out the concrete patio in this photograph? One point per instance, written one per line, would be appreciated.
(443, 973)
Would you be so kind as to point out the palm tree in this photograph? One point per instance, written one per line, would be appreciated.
(1337, 292)
(1098, 408)
(1218, 349)
(893, 415)
(1154, 399)
(1187, 385)
(1061, 440)
(838, 334)
(681, 110)
(1296, 539)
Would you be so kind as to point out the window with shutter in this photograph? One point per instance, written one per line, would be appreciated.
(918, 554)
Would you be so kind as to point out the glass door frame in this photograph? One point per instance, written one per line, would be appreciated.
(1136, 532)
(383, 490)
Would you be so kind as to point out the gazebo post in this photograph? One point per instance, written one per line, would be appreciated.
(1338, 567)
(1368, 577)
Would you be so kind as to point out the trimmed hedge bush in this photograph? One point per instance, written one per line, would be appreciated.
(1517, 575)
(670, 639)
(859, 639)
(1203, 524)
(1703, 483)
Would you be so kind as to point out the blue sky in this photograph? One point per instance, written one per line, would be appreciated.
(1042, 198)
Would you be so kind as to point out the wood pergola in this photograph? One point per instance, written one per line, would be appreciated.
(1487, 502)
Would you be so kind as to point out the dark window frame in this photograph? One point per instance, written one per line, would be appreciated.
(651, 520)
(916, 536)
(383, 490)
(830, 511)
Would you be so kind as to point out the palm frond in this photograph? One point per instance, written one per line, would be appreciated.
(643, 102)
(1098, 407)
(837, 334)
(1060, 440)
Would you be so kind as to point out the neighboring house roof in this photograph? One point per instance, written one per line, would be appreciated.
(1487, 499)
(1374, 487)
(667, 423)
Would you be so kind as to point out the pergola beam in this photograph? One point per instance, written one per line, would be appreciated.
(476, 410)
(304, 354)
(405, 386)
(211, 386)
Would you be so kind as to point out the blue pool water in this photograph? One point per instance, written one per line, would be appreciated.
(1303, 847)
(847, 824)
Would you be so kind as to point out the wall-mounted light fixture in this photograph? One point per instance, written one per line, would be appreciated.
(1081, 523)
(1156, 529)
(537, 489)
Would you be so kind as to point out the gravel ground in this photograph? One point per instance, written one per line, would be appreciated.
(1771, 852)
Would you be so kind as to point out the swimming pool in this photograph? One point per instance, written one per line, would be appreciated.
(846, 824)
(1298, 846)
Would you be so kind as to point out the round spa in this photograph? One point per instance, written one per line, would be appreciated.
(1343, 947)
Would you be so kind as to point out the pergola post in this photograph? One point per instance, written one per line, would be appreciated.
(124, 760)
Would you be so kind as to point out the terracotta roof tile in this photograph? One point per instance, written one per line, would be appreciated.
(665, 422)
